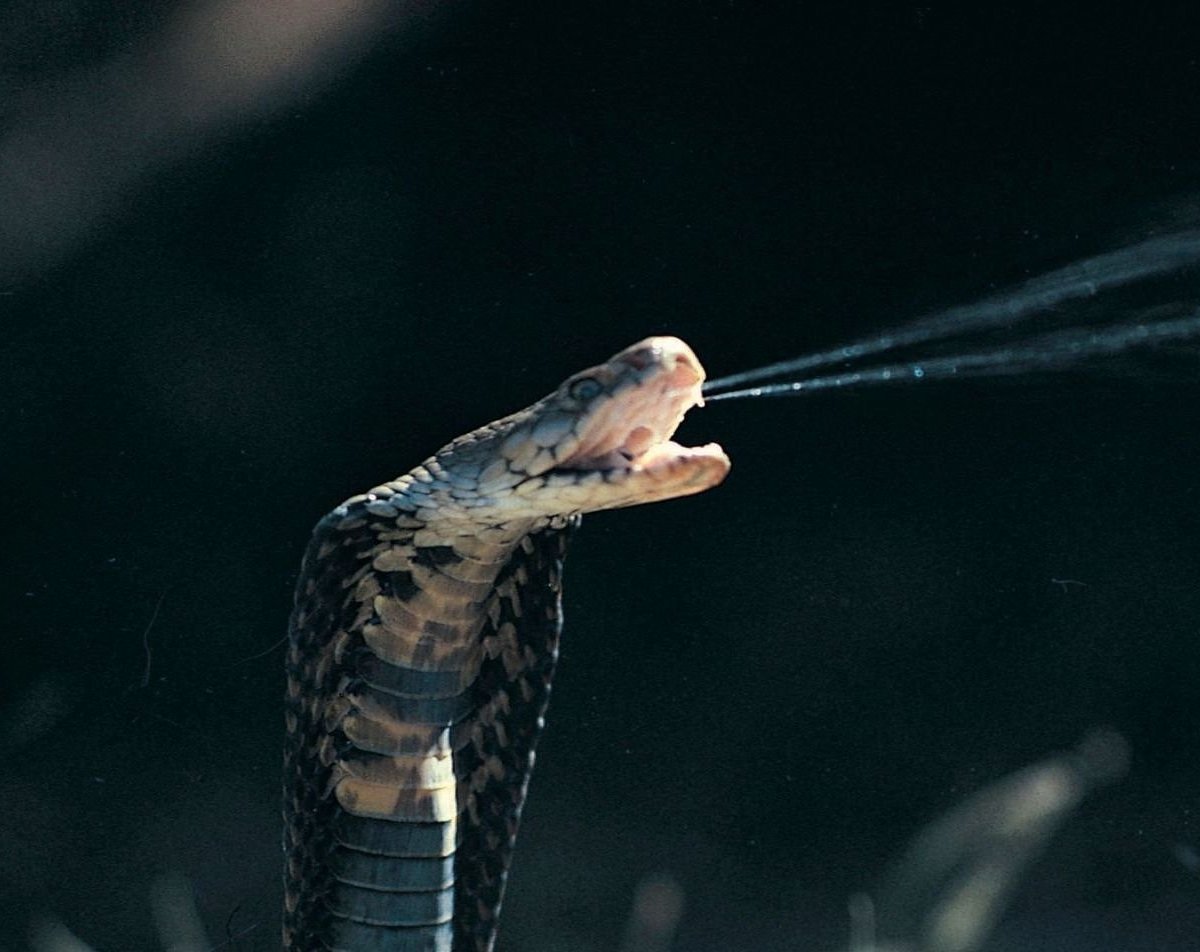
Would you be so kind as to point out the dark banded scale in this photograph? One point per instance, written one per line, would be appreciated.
(422, 646)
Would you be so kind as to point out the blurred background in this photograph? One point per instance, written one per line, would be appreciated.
(256, 257)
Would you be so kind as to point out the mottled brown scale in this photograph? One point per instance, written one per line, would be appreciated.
(422, 647)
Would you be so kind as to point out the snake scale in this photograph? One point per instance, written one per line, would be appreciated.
(422, 645)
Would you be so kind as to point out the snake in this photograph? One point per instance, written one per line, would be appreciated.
(422, 644)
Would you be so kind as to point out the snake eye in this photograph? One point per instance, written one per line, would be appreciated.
(584, 389)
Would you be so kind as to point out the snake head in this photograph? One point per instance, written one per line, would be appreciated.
(601, 440)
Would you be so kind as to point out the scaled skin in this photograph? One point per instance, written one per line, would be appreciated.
(423, 644)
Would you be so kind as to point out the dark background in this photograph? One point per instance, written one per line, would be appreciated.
(764, 690)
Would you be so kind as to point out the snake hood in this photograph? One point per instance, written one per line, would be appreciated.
(601, 440)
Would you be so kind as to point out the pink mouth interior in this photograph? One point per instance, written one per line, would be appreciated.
(634, 428)
(638, 441)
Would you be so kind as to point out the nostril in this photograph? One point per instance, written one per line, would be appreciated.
(644, 357)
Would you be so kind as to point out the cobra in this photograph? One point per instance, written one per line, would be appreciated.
(422, 645)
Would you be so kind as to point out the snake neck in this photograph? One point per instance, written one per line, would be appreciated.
(392, 723)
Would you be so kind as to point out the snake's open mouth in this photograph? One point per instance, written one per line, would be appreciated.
(631, 431)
